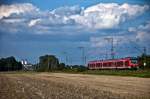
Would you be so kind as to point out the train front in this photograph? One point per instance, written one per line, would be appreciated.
(134, 62)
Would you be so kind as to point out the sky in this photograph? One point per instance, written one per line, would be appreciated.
(32, 28)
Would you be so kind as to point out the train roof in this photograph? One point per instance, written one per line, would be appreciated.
(126, 58)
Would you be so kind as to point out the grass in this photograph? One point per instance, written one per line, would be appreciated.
(135, 73)
(132, 73)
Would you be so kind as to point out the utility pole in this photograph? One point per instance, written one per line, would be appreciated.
(144, 51)
(111, 39)
(66, 56)
(138, 48)
(141, 51)
(106, 55)
(83, 54)
(117, 44)
(48, 63)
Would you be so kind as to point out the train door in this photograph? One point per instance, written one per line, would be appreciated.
(127, 64)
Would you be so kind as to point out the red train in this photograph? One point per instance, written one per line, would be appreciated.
(123, 63)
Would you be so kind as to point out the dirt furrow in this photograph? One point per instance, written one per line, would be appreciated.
(72, 86)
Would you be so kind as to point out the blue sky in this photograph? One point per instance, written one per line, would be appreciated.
(31, 28)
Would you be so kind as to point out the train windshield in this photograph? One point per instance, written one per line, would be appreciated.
(134, 61)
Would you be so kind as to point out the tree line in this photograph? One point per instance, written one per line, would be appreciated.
(51, 63)
(48, 63)
(144, 59)
(10, 64)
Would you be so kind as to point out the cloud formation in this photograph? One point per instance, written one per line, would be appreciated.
(142, 32)
(8, 10)
(101, 16)
(106, 40)
(135, 36)
(33, 22)
(104, 16)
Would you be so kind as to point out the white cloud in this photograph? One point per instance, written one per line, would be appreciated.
(103, 16)
(97, 42)
(131, 29)
(13, 20)
(7, 10)
(141, 34)
(66, 10)
(103, 41)
(145, 27)
(33, 22)
(100, 16)
(142, 27)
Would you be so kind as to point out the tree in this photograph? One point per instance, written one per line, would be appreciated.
(48, 63)
(9, 64)
(61, 66)
(144, 60)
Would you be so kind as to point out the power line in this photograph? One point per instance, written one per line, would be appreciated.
(143, 51)
(111, 39)
(48, 63)
(83, 54)
(66, 56)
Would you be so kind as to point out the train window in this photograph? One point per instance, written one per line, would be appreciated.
(134, 61)
(96, 65)
(126, 63)
(92, 65)
(115, 63)
(107, 64)
(118, 64)
(121, 63)
(110, 63)
(99, 64)
(104, 64)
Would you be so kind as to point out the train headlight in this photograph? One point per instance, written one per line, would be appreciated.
(144, 64)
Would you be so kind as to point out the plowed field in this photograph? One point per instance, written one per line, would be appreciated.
(72, 86)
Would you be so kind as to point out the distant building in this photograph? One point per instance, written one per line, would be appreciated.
(26, 65)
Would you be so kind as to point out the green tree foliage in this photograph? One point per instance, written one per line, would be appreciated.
(79, 68)
(61, 66)
(48, 63)
(75, 68)
(10, 64)
(144, 59)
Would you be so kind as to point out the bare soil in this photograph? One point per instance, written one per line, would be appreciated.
(72, 86)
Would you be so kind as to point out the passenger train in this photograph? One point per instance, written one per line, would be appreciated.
(123, 63)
